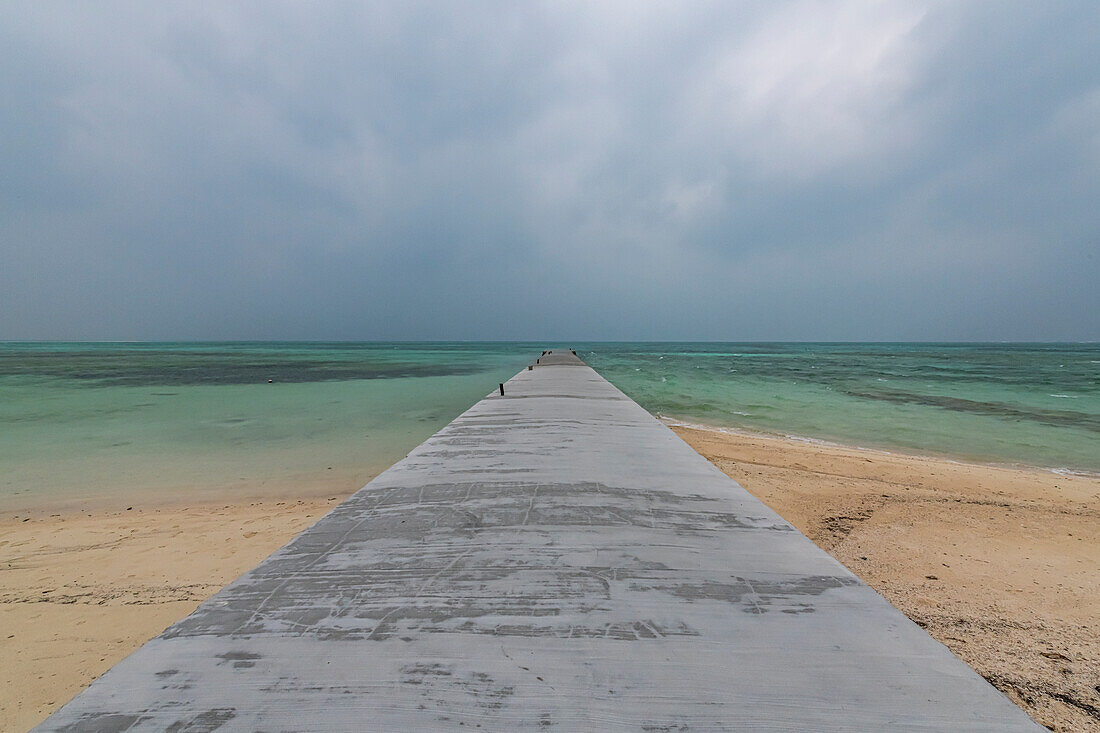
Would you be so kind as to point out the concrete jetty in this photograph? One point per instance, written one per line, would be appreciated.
(555, 557)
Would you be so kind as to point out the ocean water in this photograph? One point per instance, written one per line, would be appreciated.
(92, 422)
(1017, 404)
(84, 422)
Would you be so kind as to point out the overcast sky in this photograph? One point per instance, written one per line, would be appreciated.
(634, 170)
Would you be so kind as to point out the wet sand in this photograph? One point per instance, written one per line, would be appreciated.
(999, 564)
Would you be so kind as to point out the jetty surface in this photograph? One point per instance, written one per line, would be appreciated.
(555, 557)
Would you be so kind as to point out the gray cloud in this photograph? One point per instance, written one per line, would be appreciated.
(695, 170)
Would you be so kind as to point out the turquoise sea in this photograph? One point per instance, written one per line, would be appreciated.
(82, 422)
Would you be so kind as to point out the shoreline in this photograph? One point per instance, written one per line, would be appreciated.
(996, 562)
(306, 486)
(900, 451)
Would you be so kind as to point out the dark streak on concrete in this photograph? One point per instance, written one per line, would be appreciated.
(204, 722)
(103, 723)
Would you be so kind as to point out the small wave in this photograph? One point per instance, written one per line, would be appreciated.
(1065, 396)
(1074, 472)
(819, 441)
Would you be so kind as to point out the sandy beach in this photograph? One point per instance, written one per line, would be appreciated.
(80, 591)
(997, 563)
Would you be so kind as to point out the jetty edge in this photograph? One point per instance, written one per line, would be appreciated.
(554, 557)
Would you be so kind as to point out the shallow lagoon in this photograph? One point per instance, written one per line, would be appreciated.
(84, 422)
(1032, 404)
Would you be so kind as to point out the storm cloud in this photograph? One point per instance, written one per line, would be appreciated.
(694, 170)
